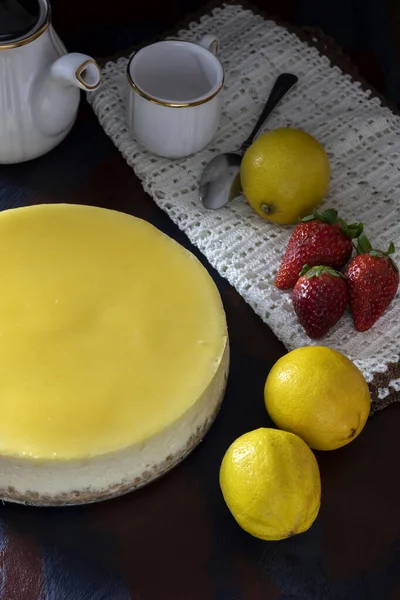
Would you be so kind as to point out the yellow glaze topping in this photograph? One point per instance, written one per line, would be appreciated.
(109, 331)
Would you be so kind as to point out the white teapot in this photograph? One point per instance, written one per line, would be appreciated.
(39, 82)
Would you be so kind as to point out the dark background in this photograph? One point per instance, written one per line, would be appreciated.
(367, 30)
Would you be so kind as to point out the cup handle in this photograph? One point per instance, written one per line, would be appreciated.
(211, 43)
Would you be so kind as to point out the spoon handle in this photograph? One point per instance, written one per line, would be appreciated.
(282, 85)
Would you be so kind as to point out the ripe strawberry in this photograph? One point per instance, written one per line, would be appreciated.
(319, 299)
(372, 278)
(320, 239)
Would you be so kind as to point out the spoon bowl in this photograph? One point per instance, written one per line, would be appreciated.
(220, 180)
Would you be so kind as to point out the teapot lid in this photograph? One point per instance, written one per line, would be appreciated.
(21, 21)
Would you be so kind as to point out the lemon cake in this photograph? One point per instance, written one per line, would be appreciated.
(113, 353)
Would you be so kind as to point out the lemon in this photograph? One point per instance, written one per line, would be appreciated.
(285, 175)
(318, 394)
(271, 483)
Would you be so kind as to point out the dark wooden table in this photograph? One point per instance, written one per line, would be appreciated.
(175, 539)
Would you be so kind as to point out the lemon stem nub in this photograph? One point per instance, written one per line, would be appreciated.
(268, 209)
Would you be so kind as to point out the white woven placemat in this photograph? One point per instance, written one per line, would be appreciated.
(361, 137)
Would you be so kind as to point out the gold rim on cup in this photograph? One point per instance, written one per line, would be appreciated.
(154, 100)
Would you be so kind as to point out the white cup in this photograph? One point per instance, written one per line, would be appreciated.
(174, 96)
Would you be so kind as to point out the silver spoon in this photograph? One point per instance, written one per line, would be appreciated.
(220, 181)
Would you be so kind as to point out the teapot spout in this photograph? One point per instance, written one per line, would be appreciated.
(55, 93)
(77, 69)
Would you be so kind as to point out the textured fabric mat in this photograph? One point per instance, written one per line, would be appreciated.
(360, 135)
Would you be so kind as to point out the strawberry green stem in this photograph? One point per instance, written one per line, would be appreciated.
(318, 270)
(364, 247)
(331, 217)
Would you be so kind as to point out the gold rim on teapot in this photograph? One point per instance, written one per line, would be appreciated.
(40, 27)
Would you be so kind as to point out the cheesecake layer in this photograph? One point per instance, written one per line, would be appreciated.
(113, 351)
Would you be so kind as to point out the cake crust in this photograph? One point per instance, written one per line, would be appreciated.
(36, 495)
